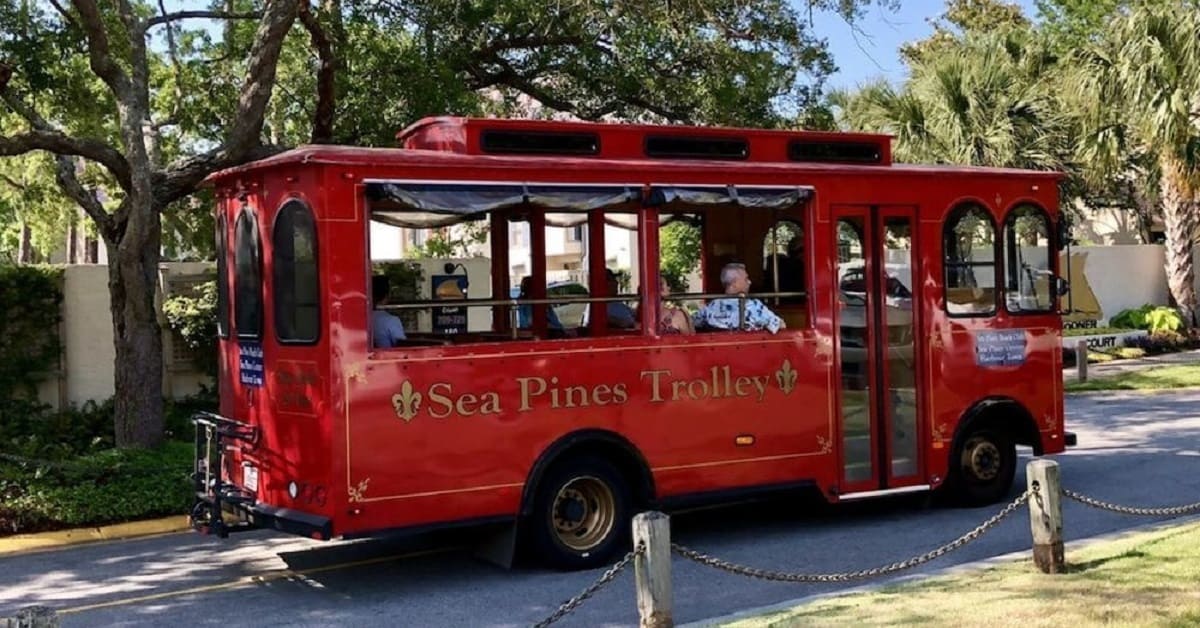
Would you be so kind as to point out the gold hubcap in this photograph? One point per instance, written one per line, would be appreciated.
(982, 458)
(584, 513)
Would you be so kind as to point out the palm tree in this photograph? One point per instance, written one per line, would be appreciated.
(986, 101)
(1138, 91)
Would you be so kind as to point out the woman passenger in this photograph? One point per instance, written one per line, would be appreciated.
(671, 319)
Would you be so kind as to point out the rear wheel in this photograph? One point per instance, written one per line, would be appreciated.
(982, 466)
(581, 514)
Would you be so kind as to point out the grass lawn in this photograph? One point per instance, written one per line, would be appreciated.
(1182, 376)
(1150, 579)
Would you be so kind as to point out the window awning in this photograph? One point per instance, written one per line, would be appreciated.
(427, 205)
(430, 205)
(692, 197)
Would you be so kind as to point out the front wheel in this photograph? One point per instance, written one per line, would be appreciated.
(982, 467)
(581, 517)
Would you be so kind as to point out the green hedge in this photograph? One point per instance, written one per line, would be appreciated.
(109, 486)
(30, 308)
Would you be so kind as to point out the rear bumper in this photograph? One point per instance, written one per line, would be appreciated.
(245, 517)
(222, 507)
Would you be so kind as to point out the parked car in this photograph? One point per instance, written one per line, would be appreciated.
(569, 314)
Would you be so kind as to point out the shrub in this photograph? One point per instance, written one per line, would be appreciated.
(30, 308)
(1152, 318)
(104, 487)
(1162, 342)
(194, 318)
(37, 432)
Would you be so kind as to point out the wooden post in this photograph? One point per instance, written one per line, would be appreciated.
(653, 569)
(1045, 514)
(32, 617)
(1081, 359)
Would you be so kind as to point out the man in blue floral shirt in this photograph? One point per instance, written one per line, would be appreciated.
(723, 313)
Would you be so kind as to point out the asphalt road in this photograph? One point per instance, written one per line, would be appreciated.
(1134, 449)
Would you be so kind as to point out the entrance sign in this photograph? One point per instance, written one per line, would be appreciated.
(859, 329)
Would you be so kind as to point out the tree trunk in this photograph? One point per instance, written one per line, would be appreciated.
(138, 372)
(25, 248)
(1179, 221)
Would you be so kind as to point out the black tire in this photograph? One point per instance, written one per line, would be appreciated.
(982, 466)
(581, 514)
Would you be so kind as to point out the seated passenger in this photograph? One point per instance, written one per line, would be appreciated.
(671, 319)
(386, 328)
(723, 313)
(620, 315)
(525, 310)
(791, 271)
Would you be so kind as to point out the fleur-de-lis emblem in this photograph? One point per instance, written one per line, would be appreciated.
(825, 444)
(357, 493)
(786, 377)
(406, 402)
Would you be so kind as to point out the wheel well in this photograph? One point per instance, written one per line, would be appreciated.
(607, 445)
(1005, 414)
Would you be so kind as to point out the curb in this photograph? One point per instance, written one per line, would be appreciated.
(1131, 391)
(40, 541)
(965, 568)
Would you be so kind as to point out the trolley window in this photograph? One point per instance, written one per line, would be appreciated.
(969, 240)
(247, 281)
(1028, 261)
(296, 282)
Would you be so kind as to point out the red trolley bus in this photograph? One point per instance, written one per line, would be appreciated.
(907, 340)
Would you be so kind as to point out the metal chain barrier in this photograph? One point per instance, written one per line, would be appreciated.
(1129, 510)
(780, 576)
(570, 605)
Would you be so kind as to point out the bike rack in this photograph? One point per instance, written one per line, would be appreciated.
(215, 437)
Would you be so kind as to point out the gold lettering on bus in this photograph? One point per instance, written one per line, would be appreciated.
(441, 401)
(535, 389)
(718, 384)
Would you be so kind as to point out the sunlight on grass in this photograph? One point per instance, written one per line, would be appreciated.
(1145, 580)
(1185, 376)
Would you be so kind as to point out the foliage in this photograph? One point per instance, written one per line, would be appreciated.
(404, 281)
(1164, 342)
(679, 253)
(107, 486)
(988, 100)
(462, 240)
(30, 308)
(963, 18)
(194, 318)
(1154, 318)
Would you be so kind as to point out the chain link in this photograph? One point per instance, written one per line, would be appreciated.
(570, 605)
(780, 576)
(1129, 510)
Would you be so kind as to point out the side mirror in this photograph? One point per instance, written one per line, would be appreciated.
(1063, 228)
(1061, 287)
